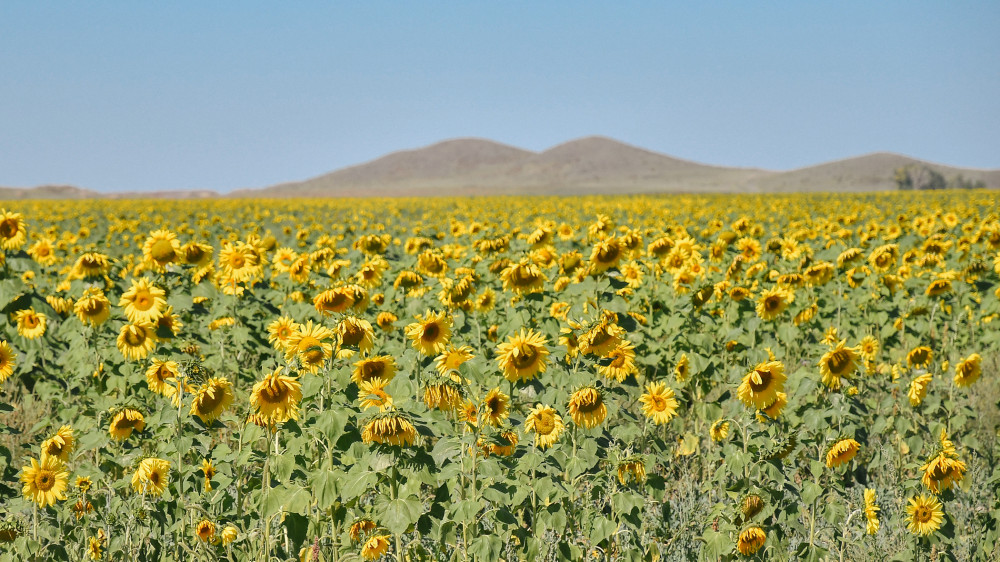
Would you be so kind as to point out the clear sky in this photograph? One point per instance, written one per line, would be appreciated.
(130, 95)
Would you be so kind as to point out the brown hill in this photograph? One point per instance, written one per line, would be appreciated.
(46, 192)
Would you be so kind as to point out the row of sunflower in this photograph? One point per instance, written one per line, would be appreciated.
(620, 378)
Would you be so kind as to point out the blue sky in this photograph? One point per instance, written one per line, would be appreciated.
(122, 96)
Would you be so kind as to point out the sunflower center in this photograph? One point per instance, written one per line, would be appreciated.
(135, 336)
(237, 261)
(42, 251)
(772, 303)
(839, 362)
(589, 405)
(923, 514)
(545, 423)
(311, 349)
(658, 402)
(154, 478)
(162, 251)
(92, 307)
(372, 370)
(608, 254)
(431, 332)
(274, 393)
(30, 322)
(352, 336)
(8, 228)
(524, 356)
(208, 403)
(619, 361)
(765, 382)
(143, 300)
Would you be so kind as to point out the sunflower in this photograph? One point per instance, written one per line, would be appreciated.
(806, 314)
(523, 356)
(360, 528)
(430, 333)
(751, 540)
(7, 361)
(659, 403)
(239, 262)
(208, 471)
(918, 388)
(924, 515)
(334, 301)
(309, 346)
(30, 324)
(277, 397)
(607, 253)
(773, 302)
(13, 232)
(389, 428)
(682, 371)
(451, 359)
(372, 394)
(381, 367)
(884, 257)
(840, 362)
(587, 408)
(45, 482)
(868, 348)
(161, 249)
(966, 372)
(842, 452)
(601, 338)
(920, 356)
(375, 547)
(938, 287)
(620, 362)
(90, 265)
(205, 530)
(229, 534)
(212, 398)
(196, 254)
(719, 430)
(93, 307)
(43, 252)
(94, 546)
(444, 393)
(760, 387)
(632, 469)
(386, 321)
(546, 424)
(60, 444)
(496, 407)
(136, 341)
(871, 512)
(774, 410)
(150, 476)
(143, 302)
(523, 277)
(124, 422)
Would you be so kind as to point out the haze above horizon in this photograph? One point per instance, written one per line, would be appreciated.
(142, 97)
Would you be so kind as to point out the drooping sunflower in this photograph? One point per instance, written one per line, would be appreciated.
(871, 512)
(386, 321)
(277, 397)
(924, 515)
(208, 471)
(212, 399)
(918, 388)
(452, 359)
(375, 547)
(93, 307)
(631, 469)
(601, 338)
(587, 408)
(523, 356)
(773, 302)
(8, 360)
(45, 481)
(496, 407)
(760, 387)
(523, 277)
(942, 472)
(360, 528)
(136, 341)
(546, 424)
(151, 476)
(354, 335)
(143, 302)
(966, 372)
(619, 363)
(390, 428)
(682, 371)
(372, 394)
(751, 540)
(30, 324)
(659, 403)
(158, 374)
(719, 430)
(124, 422)
(919, 357)
(443, 393)
(607, 253)
(161, 249)
(310, 347)
(840, 362)
(90, 265)
(60, 444)
(842, 452)
(774, 410)
(205, 530)
(430, 333)
(229, 534)
(938, 287)
(334, 301)
(381, 367)
(94, 548)
(196, 254)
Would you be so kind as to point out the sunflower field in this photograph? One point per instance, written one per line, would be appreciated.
(765, 377)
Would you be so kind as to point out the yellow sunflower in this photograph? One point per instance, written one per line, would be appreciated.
(760, 387)
(751, 540)
(918, 388)
(773, 302)
(136, 341)
(45, 482)
(375, 547)
(93, 307)
(161, 249)
(842, 452)
(360, 528)
(444, 393)
(151, 476)
(381, 367)
(587, 408)
(966, 372)
(924, 515)
(205, 530)
(310, 347)
(682, 371)
(334, 301)
(229, 534)
(546, 424)
(277, 397)
(30, 324)
(280, 331)
(13, 232)
(840, 362)
(920, 356)
(124, 422)
(8, 360)
(212, 398)
(60, 444)
(143, 302)
(496, 407)
(430, 333)
(632, 469)
(90, 265)
(606, 254)
(620, 362)
(871, 512)
(43, 252)
(386, 321)
(601, 338)
(659, 403)
(719, 430)
(868, 348)
(523, 277)
(452, 358)
(354, 335)
(390, 428)
(372, 394)
(523, 356)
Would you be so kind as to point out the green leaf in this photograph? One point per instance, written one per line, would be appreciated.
(400, 513)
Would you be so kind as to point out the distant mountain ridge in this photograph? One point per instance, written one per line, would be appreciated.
(590, 165)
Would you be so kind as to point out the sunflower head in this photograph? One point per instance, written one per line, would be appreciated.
(842, 452)
(523, 356)
(586, 407)
(760, 387)
(212, 398)
(546, 424)
(430, 333)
